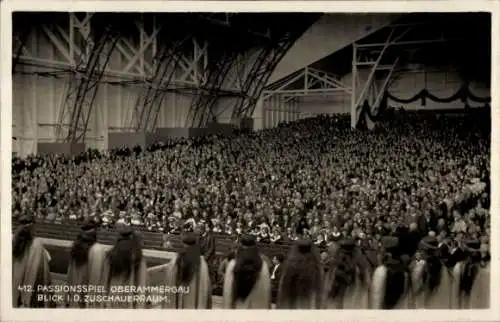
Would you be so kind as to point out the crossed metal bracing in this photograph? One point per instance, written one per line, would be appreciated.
(150, 100)
(92, 56)
(258, 76)
(381, 62)
(18, 42)
(269, 40)
(202, 109)
(249, 83)
(307, 81)
(204, 105)
(83, 52)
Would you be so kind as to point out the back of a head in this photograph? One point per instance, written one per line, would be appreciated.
(302, 273)
(231, 255)
(83, 243)
(429, 245)
(396, 274)
(342, 268)
(188, 260)
(472, 249)
(391, 246)
(23, 237)
(127, 252)
(248, 265)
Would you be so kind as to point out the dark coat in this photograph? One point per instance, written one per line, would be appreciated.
(207, 247)
(409, 242)
(302, 225)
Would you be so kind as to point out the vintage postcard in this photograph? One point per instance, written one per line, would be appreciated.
(249, 161)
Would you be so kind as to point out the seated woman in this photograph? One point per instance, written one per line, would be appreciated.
(276, 235)
(264, 236)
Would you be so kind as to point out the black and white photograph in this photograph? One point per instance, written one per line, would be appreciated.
(249, 161)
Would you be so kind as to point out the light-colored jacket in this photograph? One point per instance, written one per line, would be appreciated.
(90, 273)
(259, 297)
(197, 295)
(28, 272)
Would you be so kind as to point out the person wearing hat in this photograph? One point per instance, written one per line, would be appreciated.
(125, 265)
(247, 282)
(390, 280)
(188, 270)
(430, 278)
(471, 279)
(30, 267)
(301, 285)
(348, 278)
(86, 264)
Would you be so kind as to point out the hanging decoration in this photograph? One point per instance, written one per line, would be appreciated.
(464, 94)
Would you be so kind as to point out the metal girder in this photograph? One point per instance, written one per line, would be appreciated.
(236, 75)
(327, 80)
(385, 84)
(354, 78)
(136, 56)
(410, 42)
(98, 45)
(378, 49)
(19, 40)
(193, 66)
(202, 106)
(358, 98)
(314, 82)
(149, 103)
(68, 41)
(258, 76)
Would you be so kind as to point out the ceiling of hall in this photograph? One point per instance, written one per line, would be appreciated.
(239, 31)
(468, 48)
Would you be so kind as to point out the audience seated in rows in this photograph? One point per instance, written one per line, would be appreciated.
(413, 176)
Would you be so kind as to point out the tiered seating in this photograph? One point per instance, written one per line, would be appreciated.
(152, 240)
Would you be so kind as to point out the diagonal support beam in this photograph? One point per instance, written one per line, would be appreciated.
(356, 99)
(19, 41)
(192, 70)
(383, 88)
(315, 82)
(373, 70)
(259, 75)
(84, 83)
(283, 85)
(63, 50)
(203, 105)
(327, 80)
(150, 101)
(146, 41)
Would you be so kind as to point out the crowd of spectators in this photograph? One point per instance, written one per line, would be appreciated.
(316, 176)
